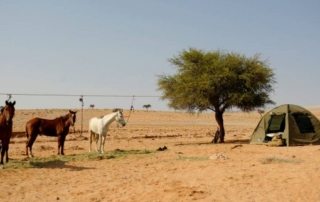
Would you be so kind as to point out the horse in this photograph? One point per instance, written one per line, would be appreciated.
(98, 128)
(58, 127)
(6, 116)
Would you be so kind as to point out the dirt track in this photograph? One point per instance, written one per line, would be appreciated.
(190, 169)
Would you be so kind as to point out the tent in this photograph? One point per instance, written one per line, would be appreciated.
(296, 125)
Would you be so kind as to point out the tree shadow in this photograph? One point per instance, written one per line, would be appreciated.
(242, 141)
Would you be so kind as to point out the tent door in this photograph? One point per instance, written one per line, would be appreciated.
(276, 125)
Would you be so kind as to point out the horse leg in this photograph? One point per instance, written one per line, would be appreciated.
(90, 140)
(27, 141)
(103, 141)
(59, 144)
(63, 138)
(97, 137)
(90, 137)
(4, 151)
(27, 152)
(7, 153)
(29, 135)
(101, 137)
(29, 144)
(2, 154)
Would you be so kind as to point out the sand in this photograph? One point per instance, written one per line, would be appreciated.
(190, 169)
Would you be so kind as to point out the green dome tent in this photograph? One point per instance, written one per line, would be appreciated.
(296, 125)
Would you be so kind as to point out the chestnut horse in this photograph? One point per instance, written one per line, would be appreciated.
(58, 127)
(6, 116)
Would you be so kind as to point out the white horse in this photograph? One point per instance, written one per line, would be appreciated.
(98, 128)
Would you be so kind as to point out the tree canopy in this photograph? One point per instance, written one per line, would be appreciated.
(217, 80)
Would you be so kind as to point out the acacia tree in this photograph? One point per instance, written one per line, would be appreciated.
(217, 81)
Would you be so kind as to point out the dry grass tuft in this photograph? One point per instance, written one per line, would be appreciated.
(274, 159)
(55, 161)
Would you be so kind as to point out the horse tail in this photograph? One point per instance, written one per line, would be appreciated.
(29, 127)
(90, 135)
(28, 138)
(27, 132)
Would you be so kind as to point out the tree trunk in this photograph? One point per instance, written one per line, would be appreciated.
(219, 136)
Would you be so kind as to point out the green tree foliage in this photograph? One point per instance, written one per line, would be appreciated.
(217, 81)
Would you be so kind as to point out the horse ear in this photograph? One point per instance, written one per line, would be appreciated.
(14, 102)
(7, 102)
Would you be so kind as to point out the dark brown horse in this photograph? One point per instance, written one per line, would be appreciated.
(6, 116)
(58, 127)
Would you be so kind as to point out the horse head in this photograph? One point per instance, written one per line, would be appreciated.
(8, 111)
(72, 117)
(120, 118)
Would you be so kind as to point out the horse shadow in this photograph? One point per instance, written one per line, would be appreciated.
(57, 164)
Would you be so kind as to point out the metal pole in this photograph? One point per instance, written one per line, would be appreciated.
(131, 107)
(82, 104)
(9, 97)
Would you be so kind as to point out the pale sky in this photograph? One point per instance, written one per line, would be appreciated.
(119, 47)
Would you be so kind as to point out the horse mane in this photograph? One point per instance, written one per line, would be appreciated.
(117, 110)
(113, 111)
(66, 116)
(108, 115)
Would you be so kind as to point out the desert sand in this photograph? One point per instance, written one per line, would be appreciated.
(190, 169)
